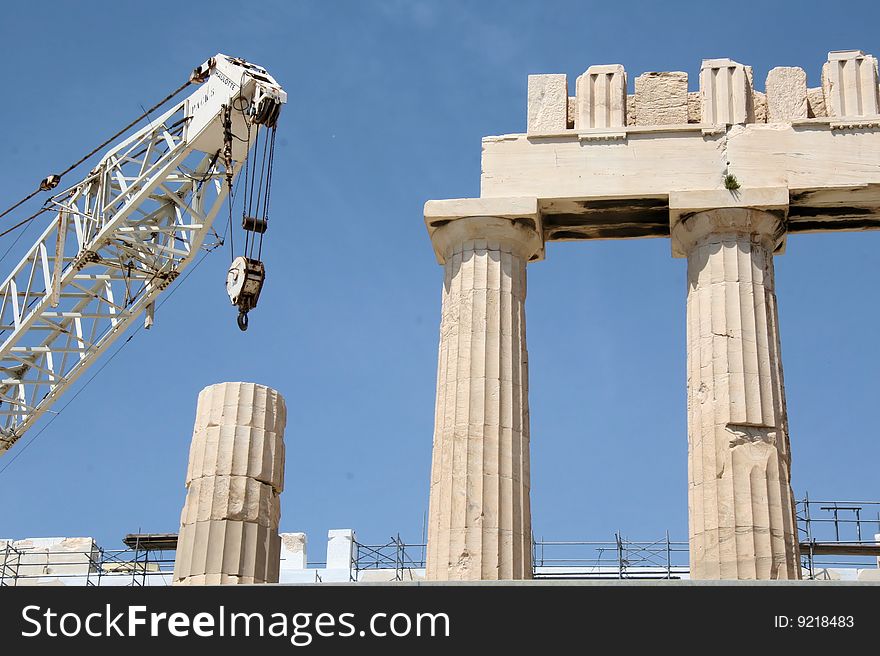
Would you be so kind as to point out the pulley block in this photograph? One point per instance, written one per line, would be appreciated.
(244, 281)
(267, 111)
(254, 224)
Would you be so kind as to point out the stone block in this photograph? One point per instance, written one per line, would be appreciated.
(294, 551)
(771, 200)
(233, 548)
(694, 112)
(59, 557)
(232, 450)
(601, 98)
(726, 92)
(340, 548)
(547, 103)
(760, 101)
(816, 103)
(661, 98)
(786, 94)
(849, 82)
(522, 211)
(231, 497)
(241, 404)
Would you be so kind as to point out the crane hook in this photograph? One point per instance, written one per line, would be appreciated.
(244, 280)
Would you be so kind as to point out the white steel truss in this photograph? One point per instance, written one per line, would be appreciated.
(118, 239)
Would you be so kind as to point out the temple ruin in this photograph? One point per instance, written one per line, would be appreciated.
(726, 173)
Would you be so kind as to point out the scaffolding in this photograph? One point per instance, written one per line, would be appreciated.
(836, 539)
(837, 534)
(134, 566)
(832, 535)
(395, 555)
(617, 559)
(621, 558)
(9, 566)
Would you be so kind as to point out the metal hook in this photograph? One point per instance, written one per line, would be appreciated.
(242, 321)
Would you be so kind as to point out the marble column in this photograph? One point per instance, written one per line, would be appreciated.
(741, 506)
(479, 525)
(229, 524)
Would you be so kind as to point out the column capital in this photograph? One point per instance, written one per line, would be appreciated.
(694, 215)
(515, 222)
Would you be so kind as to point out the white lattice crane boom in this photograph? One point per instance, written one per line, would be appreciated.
(121, 235)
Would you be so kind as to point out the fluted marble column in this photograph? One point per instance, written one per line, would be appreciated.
(741, 507)
(229, 524)
(479, 525)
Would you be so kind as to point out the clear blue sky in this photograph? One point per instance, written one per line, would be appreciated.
(388, 102)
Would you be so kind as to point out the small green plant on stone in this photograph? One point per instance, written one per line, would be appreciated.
(730, 182)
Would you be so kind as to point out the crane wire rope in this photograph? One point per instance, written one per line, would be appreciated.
(268, 189)
(55, 178)
(250, 253)
(251, 207)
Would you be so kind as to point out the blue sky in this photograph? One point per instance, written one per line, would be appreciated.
(388, 102)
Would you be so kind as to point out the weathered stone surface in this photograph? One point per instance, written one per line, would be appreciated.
(572, 112)
(614, 183)
(227, 547)
(521, 211)
(694, 101)
(46, 557)
(294, 551)
(547, 103)
(631, 109)
(229, 522)
(786, 94)
(849, 82)
(816, 103)
(231, 497)
(232, 450)
(657, 165)
(479, 524)
(726, 92)
(241, 404)
(741, 507)
(661, 98)
(760, 101)
(601, 98)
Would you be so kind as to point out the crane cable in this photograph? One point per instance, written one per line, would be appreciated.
(254, 217)
(256, 203)
(268, 187)
(21, 223)
(51, 181)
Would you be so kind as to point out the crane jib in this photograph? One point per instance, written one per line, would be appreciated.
(122, 234)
